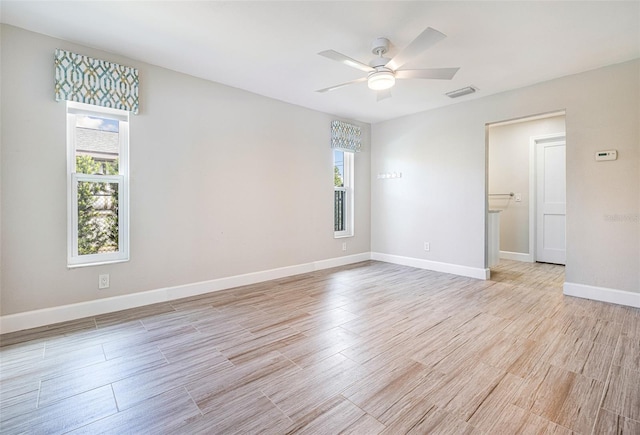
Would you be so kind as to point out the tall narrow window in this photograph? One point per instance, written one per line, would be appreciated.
(346, 139)
(343, 193)
(98, 185)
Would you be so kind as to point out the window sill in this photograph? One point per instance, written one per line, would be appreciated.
(342, 236)
(96, 263)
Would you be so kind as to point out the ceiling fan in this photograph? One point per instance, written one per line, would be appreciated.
(383, 72)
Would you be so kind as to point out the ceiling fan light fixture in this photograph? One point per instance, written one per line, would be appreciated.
(381, 80)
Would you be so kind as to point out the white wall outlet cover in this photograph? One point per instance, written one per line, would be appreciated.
(103, 281)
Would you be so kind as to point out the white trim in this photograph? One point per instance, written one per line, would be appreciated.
(517, 256)
(348, 168)
(532, 200)
(122, 254)
(528, 118)
(341, 261)
(603, 294)
(74, 110)
(85, 109)
(49, 316)
(436, 266)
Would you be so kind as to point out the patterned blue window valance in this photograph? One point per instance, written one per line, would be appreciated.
(346, 136)
(94, 81)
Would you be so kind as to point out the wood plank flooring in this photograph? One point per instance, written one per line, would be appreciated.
(364, 349)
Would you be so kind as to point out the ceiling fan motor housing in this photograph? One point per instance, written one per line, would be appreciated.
(380, 46)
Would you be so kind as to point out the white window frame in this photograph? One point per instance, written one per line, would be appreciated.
(347, 179)
(122, 179)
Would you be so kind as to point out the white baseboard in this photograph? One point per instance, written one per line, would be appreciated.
(602, 294)
(341, 261)
(49, 316)
(436, 266)
(517, 256)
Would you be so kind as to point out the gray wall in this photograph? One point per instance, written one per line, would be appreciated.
(223, 182)
(508, 171)
(441, 195)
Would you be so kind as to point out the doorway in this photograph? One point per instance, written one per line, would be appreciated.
(526, 187)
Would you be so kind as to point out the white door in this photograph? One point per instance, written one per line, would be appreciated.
(551, 204)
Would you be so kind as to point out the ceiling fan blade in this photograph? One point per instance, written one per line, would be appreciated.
(383, 95)
(332, 88)
(422, 42)
(429, 73)
(334, 55)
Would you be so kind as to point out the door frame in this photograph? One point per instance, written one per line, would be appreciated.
(533, 191)
(487, 125)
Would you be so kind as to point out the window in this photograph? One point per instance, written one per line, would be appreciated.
(343, 193)
(98, 185)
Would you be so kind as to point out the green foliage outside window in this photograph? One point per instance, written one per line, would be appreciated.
(97, 208)
(337, 178)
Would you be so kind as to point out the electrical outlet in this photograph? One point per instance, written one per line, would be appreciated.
(103, 281)
(427, 246)
(344, 246)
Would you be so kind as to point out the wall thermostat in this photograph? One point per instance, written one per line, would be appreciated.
(606, 155)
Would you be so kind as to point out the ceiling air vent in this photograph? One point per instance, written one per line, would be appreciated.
(461, 92)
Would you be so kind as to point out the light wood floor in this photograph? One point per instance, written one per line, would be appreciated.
(370, 348)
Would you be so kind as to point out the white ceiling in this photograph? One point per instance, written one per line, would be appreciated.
(270, 48)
